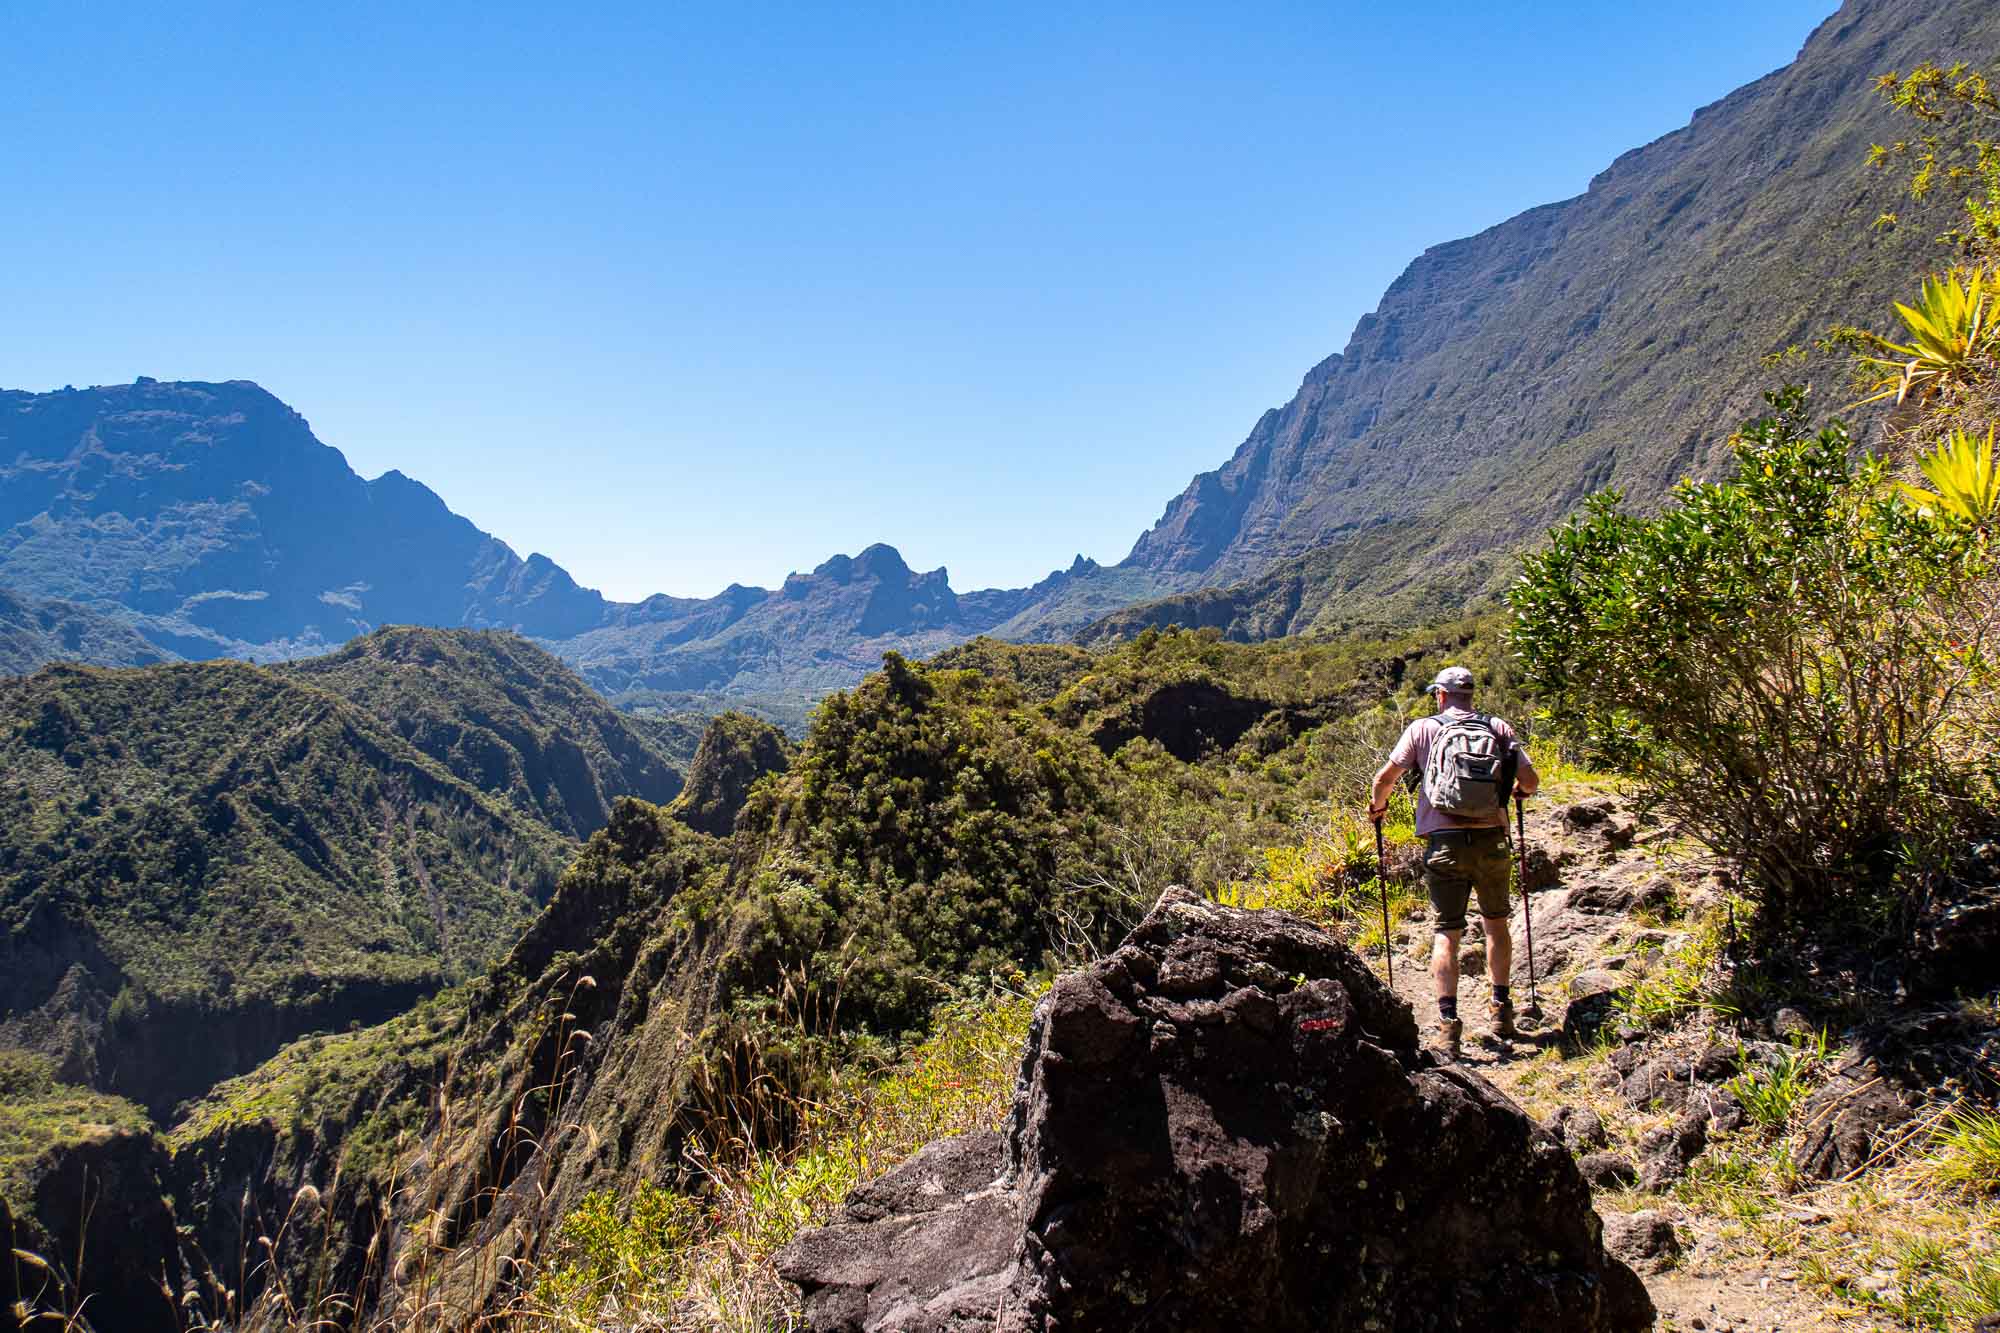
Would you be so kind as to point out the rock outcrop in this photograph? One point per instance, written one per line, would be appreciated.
(735, 751)
(1227, 1122)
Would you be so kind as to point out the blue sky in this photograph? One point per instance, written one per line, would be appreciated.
(684, 296)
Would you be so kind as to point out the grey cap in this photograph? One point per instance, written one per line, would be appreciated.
(1452, 680)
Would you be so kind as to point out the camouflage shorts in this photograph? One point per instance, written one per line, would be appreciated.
(1458, 865)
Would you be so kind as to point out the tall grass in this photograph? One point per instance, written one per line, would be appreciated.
(701, 1258)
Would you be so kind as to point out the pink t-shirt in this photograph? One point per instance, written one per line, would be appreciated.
(1415, 747)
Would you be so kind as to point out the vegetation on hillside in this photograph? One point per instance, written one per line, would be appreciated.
(35, 632)
(1802, 661)
(735, 750)
(200, 861)
(505, 716)
(224, 831)
(942, 834)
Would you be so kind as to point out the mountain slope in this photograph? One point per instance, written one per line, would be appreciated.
(35, 632)
(200, 862)
(211, 515)
(505, 716)
(1608, 340)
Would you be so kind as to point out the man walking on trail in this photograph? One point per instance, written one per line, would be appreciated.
(1471, 763)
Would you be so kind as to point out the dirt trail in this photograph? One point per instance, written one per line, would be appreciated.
(1613, 891)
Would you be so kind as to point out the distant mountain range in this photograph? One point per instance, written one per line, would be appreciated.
(205, 520)
(1610, 339)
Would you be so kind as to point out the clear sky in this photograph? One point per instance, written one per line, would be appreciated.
(690, 295)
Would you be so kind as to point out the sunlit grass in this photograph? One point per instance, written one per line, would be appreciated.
(701, 1258)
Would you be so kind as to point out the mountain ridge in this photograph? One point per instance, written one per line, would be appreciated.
(1509, 362)
(206, 518)
(1513, 361)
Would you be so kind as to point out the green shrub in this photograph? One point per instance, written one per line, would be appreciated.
(1784, 657)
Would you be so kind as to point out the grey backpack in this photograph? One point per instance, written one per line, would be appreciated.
(1463, 774)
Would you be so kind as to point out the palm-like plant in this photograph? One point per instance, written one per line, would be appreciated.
(1954, 339)
(1962, 470)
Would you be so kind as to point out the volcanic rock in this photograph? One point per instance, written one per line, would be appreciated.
(1608, 1170)
(1645, 1240)
(1580, 1128)
(1845, 1121)
(1228, 1122)
(1593, 1003)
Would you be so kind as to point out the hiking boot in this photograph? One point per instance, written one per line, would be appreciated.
(1503, 1020)
(1450, 1033)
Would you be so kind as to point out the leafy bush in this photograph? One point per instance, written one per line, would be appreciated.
(1785, 657)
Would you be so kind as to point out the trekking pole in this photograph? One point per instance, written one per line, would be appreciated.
(1534, 1007)
(1382, 878)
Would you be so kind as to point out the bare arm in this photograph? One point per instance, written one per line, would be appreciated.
(1385, 782)
(1526, 779)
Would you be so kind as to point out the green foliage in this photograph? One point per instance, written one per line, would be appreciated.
(736, 750)
(618, 1249)
(505, 716)
(311, 1083)
(1968, 486)
(237, 859)
(226, 832)
(1688, 979)
(932, 827)
(1040, 671)
(1958, 150)
(1781, 656)
(1771, 1092)
(37, 1113)
(1953, 333)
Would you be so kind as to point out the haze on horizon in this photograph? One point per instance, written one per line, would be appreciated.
(696, 298)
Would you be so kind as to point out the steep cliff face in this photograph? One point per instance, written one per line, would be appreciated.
(1612, 339)
(211, 515)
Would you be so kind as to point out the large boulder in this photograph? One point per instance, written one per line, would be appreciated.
(1228, 1123)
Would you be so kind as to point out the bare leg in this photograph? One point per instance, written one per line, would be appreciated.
(1499, 949)
(1444, 962)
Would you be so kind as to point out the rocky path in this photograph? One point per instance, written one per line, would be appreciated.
(1609, 899)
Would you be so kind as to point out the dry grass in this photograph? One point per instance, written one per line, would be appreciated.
(1913, 1241)
(666, 1260)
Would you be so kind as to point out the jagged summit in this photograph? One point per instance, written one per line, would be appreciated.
(206, 520)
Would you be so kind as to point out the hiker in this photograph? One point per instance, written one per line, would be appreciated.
(1471, 764)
